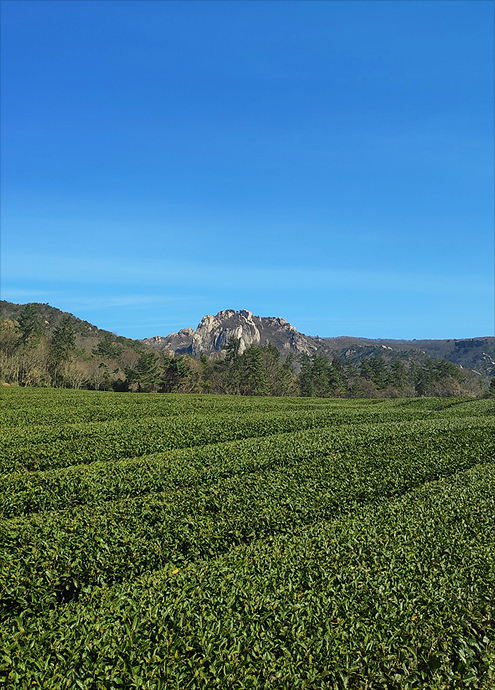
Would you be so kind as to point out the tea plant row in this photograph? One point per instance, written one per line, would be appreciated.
(294, 481)
(164, 541)
(154, 429)
(398, 594)
(441, 445)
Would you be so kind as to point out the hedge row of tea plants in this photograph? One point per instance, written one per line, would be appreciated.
(51, 446)
(286, 543)
(396, 595)
(48, 445)
(425, 444)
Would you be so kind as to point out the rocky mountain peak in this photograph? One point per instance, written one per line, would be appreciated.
(214, 332)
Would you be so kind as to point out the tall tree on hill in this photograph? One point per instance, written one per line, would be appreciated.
(175, 371)
(305, 378)
(314, 378)
(365, 370)
(379, 374)
(63, 341)
(231, 374)
(280, 375)
(145, 374)
(287, 379)
(232, 349)
(336, 378)
(29, 326)
(107, 348)
(398, 374)
(253, 376)
(62, 350)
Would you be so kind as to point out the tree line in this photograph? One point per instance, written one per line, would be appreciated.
(260, 371)
(30, 357)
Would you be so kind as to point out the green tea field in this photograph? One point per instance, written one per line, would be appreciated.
(192, 541)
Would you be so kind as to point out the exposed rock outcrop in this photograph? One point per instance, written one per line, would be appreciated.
(214, 332)
(175, 343)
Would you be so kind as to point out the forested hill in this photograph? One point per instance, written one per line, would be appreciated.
(44, 346)
(47, 318)
(477, 354)
(234, 353)
(214, 332)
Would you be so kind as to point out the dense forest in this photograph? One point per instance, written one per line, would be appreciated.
(69, 354)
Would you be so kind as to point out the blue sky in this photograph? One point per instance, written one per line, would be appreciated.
(328, 162)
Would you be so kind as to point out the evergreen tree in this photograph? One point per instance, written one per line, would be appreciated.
(63, 341)
(175, 371)
(107, 348)
(278, 377)
(350, 370)
(315, 376)
(305, 378)
(443, 369)
(231, 374)
(379, 375)
(336, 378)
(253, 376)
(145, 373)
(321, 375)
(365, 370)
(29, 325)
(232, 350)
(285, 380)
(398, 374)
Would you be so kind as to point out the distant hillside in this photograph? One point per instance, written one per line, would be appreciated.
(213, 332)
(234, 352)
(476, 354)
(50, 317)
(42, 345)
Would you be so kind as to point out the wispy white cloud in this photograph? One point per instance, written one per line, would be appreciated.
(127, 300)
(166, 274)
(13, 294)
(99, 302)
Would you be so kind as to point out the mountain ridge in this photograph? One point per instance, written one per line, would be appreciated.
(214, 332)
